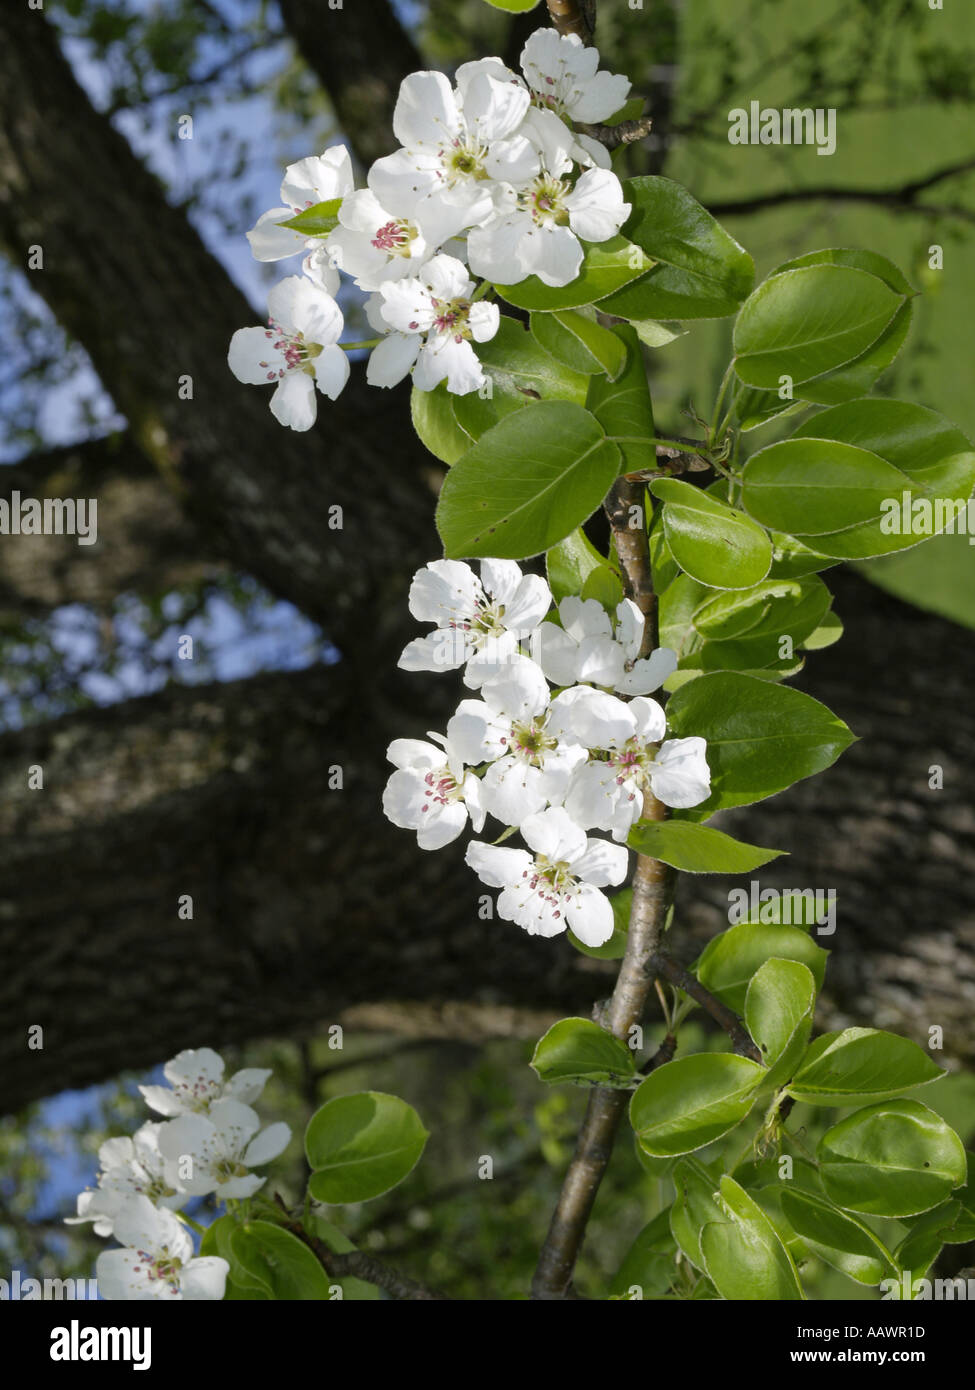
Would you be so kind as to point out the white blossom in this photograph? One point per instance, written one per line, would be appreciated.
(556, 886)
(127, 1167)
(157, 1261)
(196, 1080)
(589, 648)
(562, 74)
(373, 245)
(318, 179)
(431, 320)
(480, 622)
(431, 792)
(214, 1152)
(297, 351)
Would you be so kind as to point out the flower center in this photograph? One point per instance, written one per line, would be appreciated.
(441, 787)
(552, 880)
(394, 238)
(530, 742)
(544, 200)
(226, 1169)
(296, 352)
(633, 762)
(162, 1265)
(463, 160)
(452, 316)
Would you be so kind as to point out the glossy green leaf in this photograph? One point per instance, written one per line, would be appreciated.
(355, 1290)
(695, 1204)
(606, 266)
(275, 1257)
(579, 342)
(361, 1145)
(649, 1262)
(810, 487)
(315, 221)
(803, 323)
(697, 849)
(692, 1101)
(527, 483)
(514, 6)
(779, 1006)
(730, 960)
(761, 737)
(925, 1240)
(715, 544)
(744, 1256)
(570, 563)
(836, 1237)
(242, 1286)
(623, 406)
(897, 1158)
(520, 373)
(578, 1050)
(700, 271)
(434, 422)
(861, 1065)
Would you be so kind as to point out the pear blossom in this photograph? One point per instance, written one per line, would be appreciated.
(157, 1260)
(457, 147)
(433, 319)
(530, 767)
(607, 793)
(213, 1152)
(318, 179)
(196, 1080)
(297, 351)
(480, 622)
(538, 225)
(127, 1167)
(590, 648)
(557, 885)
(430, 792)
(562, 74)
(373, 245)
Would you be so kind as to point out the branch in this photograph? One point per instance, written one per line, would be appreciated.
(612, 136)
(574, 17)
(740, 1037)
(902, 199)
(355, 1264)
(653, 884)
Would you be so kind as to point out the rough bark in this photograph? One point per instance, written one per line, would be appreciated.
(129, 277)
(144, 542)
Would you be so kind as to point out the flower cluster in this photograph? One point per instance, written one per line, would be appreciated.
(552, 764)
(490, 181)
(208, 1142)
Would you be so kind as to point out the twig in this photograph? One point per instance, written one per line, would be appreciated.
(653, 884)
(354, 1264)
(574, 17)
(612, 136)
(741, 1039)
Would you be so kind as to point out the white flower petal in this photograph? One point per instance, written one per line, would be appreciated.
(497, 866)
(267, 1145)
(293, 402)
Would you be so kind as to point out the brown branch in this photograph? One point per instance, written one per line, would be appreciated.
(741, 1039)
(902, 199)
(356, 1265)
(653, 885)
(574, 17)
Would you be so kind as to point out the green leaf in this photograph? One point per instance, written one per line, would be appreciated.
(649, 1262)
(521, 373)
(527, 483)
(897, 1158)
(570, 563)
(434, 422)
(579, 342)
(859, 1066)
(615, 947)
(605, 586)
(836, 1237)
(744, 1256)
(701, 271)
(695, 1204)
(761, 738)
(803, 323)
(692, 1101)
(316, 221)
(933, 462)
(356, 1290)
(606, 266)
(359, 1146)
(779, 1006)
(623, 406)
(514, 6)
(578, 1050)
(241, 1286)
(859, 376)
(743, 629)
(728, 961)
(811, 487)
(272, 1256)
(697, 849)
(657, 333)
(712, 542)
(923, 1243)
